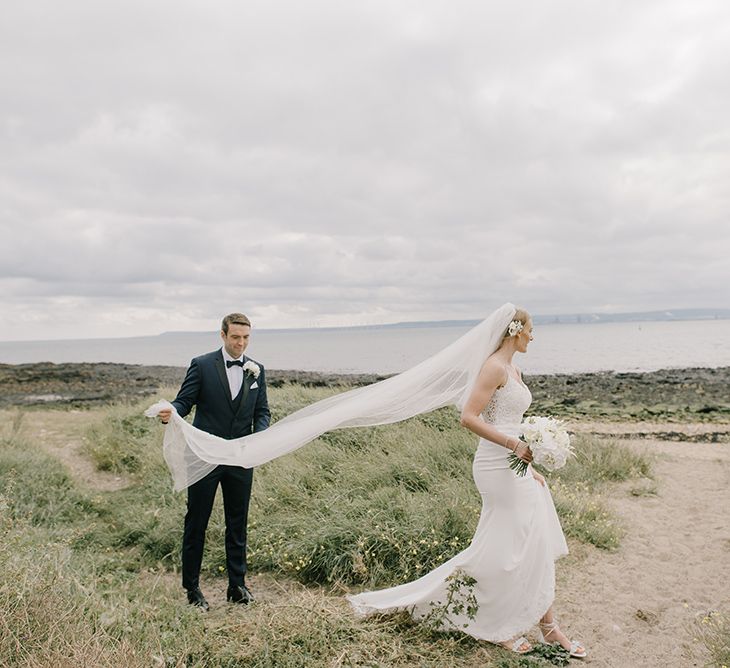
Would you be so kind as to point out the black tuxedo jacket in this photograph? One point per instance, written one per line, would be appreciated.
(206, 387)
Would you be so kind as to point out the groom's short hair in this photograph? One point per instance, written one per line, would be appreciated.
(234, 319)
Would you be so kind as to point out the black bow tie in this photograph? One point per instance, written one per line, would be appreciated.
(230, 363)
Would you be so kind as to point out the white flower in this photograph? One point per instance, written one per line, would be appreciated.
(515, 327)
(549, 441)
(251, 367)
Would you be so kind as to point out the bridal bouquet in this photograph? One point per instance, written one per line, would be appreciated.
(549, 442)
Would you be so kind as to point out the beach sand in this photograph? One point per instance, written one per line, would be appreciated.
(639, 606)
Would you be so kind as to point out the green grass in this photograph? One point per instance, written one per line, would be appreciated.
(356, 506)
(713, 632)
(42, 491)
(600, 461)
(89, 578)
(121, 443)
(62, 607)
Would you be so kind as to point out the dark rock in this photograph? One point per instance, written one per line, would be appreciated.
(669, 394)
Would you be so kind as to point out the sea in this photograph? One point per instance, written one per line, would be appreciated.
(557, 348)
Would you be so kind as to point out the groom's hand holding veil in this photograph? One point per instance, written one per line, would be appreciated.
(165, 414)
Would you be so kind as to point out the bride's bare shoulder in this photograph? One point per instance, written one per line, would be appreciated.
(494, 372)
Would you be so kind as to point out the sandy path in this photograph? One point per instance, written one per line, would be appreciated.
(637, 607)
(62, 434)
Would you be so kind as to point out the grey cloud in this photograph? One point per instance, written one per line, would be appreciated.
(324, 159)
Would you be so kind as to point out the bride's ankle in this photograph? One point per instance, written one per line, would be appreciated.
(551, 631)
(548, 627)
(576, 649)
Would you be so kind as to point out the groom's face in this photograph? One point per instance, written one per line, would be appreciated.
(236, 341)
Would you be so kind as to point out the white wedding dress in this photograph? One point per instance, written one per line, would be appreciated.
(513, 552)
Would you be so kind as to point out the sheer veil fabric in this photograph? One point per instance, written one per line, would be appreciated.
(444, 379)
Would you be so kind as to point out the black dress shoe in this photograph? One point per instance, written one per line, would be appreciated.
(239, 594)
(196, 598)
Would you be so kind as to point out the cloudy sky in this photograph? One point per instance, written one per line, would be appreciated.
(335, 162)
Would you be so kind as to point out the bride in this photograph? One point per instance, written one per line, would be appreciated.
(518, 537)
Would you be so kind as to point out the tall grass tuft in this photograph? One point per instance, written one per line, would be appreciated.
(599, 461)
(364, 501)
(713, 631)
(121, 443)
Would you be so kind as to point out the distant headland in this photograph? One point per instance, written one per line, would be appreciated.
(666, 315)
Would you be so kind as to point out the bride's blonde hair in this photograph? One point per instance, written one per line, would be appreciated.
(520, 316)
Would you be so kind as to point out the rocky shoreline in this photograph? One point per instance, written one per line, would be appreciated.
(93, 384)
(696, 394)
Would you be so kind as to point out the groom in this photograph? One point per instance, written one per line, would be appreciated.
(229, 393)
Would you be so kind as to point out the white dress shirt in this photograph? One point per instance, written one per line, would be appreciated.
(234, 373)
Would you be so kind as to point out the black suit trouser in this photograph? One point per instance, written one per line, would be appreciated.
(235, 483)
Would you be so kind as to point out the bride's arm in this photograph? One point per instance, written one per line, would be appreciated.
(492, 376)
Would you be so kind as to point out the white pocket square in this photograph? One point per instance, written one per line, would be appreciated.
(254, 386)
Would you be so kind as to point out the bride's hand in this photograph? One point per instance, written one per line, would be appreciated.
(523, 452)
(538, 477)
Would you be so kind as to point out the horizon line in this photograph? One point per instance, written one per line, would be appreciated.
(576, 318)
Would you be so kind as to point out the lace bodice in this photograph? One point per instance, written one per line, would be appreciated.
(508, 403)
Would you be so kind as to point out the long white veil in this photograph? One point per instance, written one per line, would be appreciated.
(443, 379)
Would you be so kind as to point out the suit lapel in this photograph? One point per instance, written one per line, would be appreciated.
(247, 382)
(221, 369)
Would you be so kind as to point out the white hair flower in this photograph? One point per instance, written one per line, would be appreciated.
(515, 327)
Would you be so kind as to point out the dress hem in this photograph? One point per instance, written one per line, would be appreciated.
(362, 610)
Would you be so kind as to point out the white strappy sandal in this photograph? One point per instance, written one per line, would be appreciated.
(515, 646)
(577, 650)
